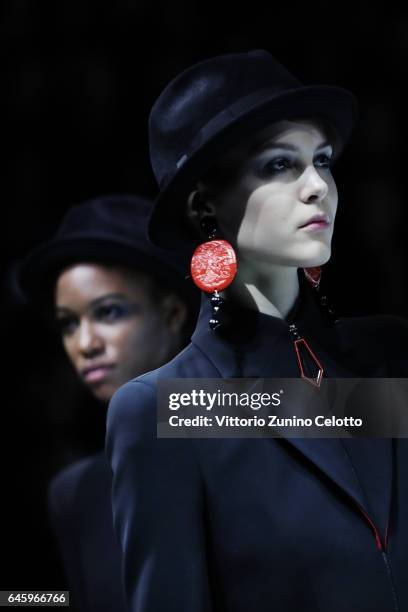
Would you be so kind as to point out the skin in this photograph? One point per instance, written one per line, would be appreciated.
(260, 195)
(110, 317)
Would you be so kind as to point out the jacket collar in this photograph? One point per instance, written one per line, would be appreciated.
(252, 344)
(257, 345)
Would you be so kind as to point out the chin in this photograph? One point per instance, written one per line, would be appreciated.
(320, 256)
(104, 393)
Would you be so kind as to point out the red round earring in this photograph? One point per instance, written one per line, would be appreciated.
(213, 268)
(214, 265)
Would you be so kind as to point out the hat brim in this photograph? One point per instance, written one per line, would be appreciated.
(37, 274)
(167, 225)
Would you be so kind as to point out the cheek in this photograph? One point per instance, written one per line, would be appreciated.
(135, 337)
(231, 210)
(267, 216)
(333, 195)
(334, 203)
(142, 348)
(70, 348)
(125, 338)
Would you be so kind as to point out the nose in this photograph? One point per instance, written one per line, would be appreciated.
(90, 343)
(314, 188)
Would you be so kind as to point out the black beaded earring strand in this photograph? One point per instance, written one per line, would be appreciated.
(209, 226)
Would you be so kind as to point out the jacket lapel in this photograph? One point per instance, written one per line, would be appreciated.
(361, 468)
(270, 354)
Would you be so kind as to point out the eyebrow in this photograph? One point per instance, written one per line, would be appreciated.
(96, 302)
(270, 144)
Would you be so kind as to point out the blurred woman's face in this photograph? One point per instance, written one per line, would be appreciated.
(112, 328)
(276, 183)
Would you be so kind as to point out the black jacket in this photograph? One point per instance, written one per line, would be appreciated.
(238, 525)
(81, 517)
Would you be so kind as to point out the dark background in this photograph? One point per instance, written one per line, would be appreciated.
(78, 81)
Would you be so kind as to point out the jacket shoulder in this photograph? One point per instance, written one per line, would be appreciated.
(134, 404)
(133, 407)
(191, 362)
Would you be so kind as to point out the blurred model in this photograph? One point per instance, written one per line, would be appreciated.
(121, 308)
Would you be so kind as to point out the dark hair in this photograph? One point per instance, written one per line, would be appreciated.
(331, 132)
(159, 289)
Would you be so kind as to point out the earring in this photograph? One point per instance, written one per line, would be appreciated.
(213, 268)
(313, 276)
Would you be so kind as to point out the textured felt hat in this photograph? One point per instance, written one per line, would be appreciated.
(110, 229)
(214, 105)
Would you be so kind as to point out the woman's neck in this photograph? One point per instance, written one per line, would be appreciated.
(268, 288)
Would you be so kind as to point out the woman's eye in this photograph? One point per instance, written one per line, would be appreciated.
(278, 164)
(66, 325)
(109, 313)
(281, 164)
(323, 161)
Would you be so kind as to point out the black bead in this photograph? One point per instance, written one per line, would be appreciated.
(328, 310)
(216, 300)
(216, 306)
(209, 226)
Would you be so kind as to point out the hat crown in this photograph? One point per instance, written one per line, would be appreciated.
(115, 217)
(200, 94)
(105, 230)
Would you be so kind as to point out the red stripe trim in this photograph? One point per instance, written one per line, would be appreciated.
(374, 528)
(302, 372)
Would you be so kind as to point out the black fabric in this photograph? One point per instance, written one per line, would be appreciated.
(109, 229)
(81, 516)
(234, 525)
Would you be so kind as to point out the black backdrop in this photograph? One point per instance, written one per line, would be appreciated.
(78, 80)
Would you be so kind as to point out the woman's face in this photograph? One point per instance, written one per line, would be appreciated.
(112, 328)
(275, 184)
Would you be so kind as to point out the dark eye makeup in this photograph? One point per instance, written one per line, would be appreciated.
(105, 312)
(112, 312)
(279, 164)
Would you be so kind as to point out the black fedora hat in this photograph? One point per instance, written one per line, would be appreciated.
(109, 229)
(213, 105)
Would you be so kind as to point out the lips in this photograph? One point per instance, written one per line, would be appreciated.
(96, 373)
(318, 220)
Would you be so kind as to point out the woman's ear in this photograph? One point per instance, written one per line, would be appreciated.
(199, 207)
